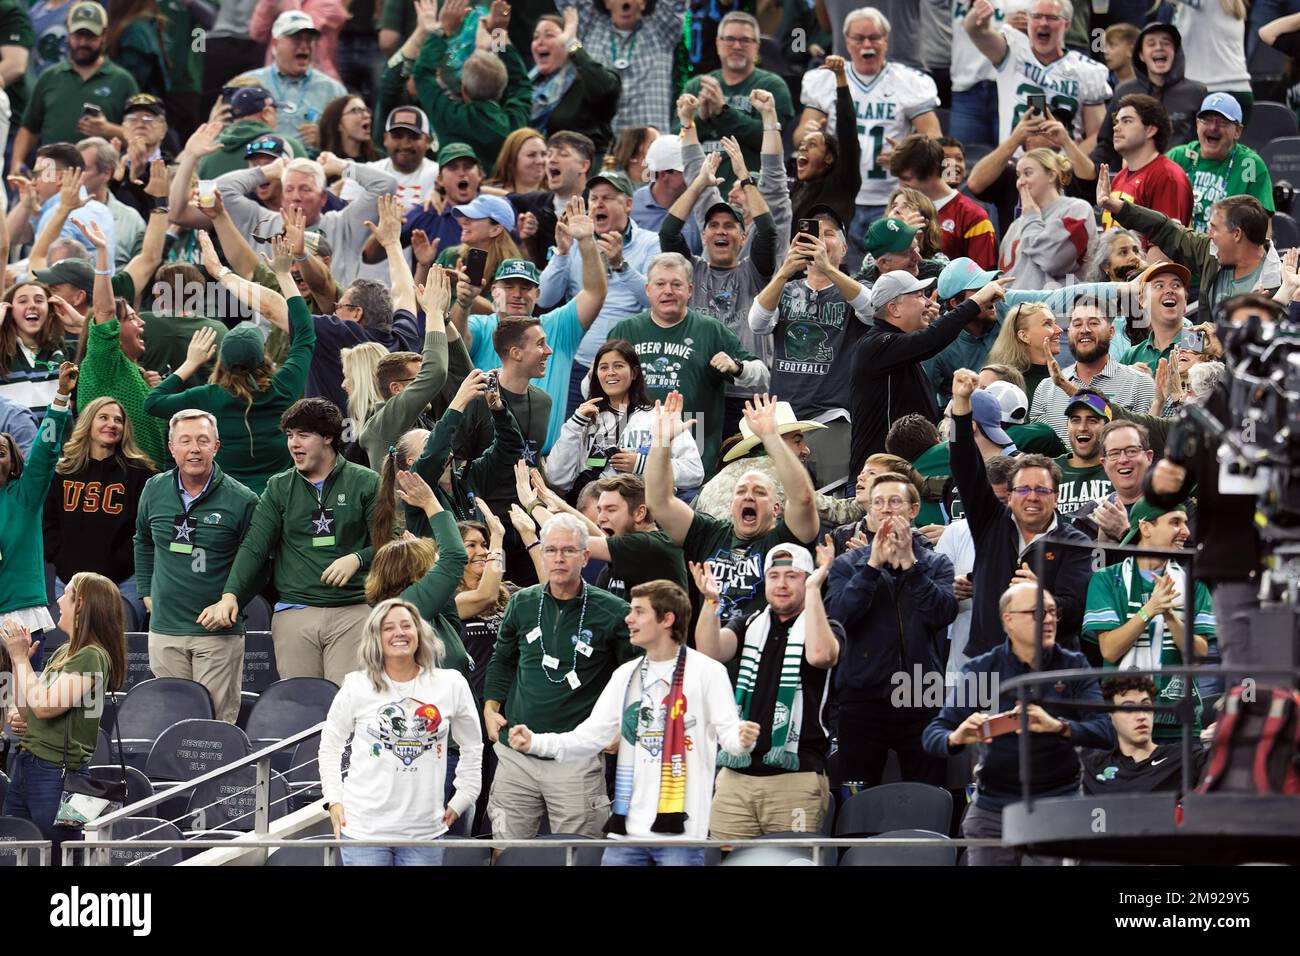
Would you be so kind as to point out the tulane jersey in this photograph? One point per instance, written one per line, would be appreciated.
(1070, 83)
(886, 104)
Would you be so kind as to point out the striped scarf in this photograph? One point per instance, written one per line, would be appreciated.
(1149, 649)
(671, 817)
(787, 714)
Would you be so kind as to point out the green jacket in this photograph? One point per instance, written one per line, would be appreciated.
(283, 531)
(391, 419)
(233, 139)
(491, 476)
(252, 448)
(105, 370)
(481, 124)
(434, 595)
(22, 506)
(184, 578)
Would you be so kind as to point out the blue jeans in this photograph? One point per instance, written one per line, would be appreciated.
(653, 856)
(391, 855)
(974, 116)
(35, 791)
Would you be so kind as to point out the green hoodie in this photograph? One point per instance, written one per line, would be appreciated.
(282, 531)
(491, 476)
(183, 582)
(22, 500)
(233, 139)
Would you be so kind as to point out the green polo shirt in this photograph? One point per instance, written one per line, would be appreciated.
(1148, 352)
(178, 37)
(16, 30)
(60, 92)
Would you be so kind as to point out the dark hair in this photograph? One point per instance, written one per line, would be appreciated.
(375, 302)
(392, 367)
(384, 518)
(318, 415)
(1144, 436)
(918, 154)
(1151, 112)
(1038, 461)
(331, 133)
(627, 145)
(636, 393)
(15, 456)
(628, 487)
(667, 597)
(168, 275)
(1092, 302)
(949, 142)
(509, 334)
(65, 155)
(122, 13)
(1245, 213)
(575, 141)
(1112, 687)
(832, 143)
(1088, 391)
(1001, 468)
(910, 436)
(51, 334)
(1251, 300)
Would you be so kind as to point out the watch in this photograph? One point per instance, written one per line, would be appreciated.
(1065, 730)
(575, 46)
(751, 180)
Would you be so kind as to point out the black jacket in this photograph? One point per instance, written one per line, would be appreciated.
(997, 552)
(589, 105)
(889, 382)
(839, 187)
(894, 621)
(1180, 97)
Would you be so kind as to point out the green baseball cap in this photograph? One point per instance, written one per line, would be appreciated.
(613, 178)
(889, 235)
(243, 347)
(454, 151)
(87, 16)
(1143, 510)
(518, 269)
(76, 272)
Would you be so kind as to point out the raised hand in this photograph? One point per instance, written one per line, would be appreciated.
(70, 190)
(473, 385)
(203, 345)
(498, 17)
(1063, 383)
(93, 232)
(389, 230)
(994, 290)
(760, 413)
(203, 141)
(332, 164)
(527, 224)
(705, 582)
(159, 180)
(1104, 199)
(570, 32)
(764, 103)
(68, 373)
(437, 293)
(577, 223)
(836, 65)
(964, 383)
(295, 229)
(611, 246)
(523, 523)
(688, 104)
(708, 174)
(667, 423)
(426, 250)
(208, 254)
(281, 260)
(415, 491)
(496, 530)
(825, 558)
(426, 15)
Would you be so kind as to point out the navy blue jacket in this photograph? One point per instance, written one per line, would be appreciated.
(1054, 763)
(997, 552)
(893, 620)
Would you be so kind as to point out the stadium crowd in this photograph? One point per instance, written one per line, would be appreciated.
(671, 381)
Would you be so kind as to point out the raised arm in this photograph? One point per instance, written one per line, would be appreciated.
(711, 637)
(266, 302)
(820, 647)
(105, 303)
(670, 512)
(987, 39)
(389, 235)
(240, 255)
(800, 505)
(595, 284)
(202, 142)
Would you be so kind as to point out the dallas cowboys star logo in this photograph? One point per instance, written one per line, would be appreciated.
(183, 531)
(322, 524)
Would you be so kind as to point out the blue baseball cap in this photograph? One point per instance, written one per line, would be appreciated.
(963, 275)
(489, 207)
(987, 412)
(1225, 104)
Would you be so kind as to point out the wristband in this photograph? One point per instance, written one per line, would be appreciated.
(773, 129)
(60, 399)
(535, 544)
(160, 202)
(301, 258)
(1142, 613)
(103, 272)
(223, 272)
(686, 126)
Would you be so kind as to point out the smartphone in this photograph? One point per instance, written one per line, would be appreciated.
(809, 227)
(475, 267)
(91, 109)
(207, 193)
(1001, 724)
(1193, 342)
(1038, 103)
(492, 383)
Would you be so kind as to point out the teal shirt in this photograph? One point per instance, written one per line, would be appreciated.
(22, 506)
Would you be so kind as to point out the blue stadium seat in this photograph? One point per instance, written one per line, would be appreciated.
(303, 773)
(258, 615)
(144, 828)
(1269, 121)
(15, 828)
(228, 803)
(137, 658)
(259, 660)
(287, 707)
(1286, 233)
(895, 806)
(191, 748)
(247, 700)
(886, 855)
(154, 705)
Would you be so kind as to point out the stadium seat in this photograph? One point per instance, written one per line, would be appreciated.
(886, 855)
(137, 784)
(130, 616)
(1269, 121)
(1282, 157)
(259, 661)
(895, 806)
(303, 773)
(247, 700)
(1286, 233)
(552, 856)
(144, 828)
(154, 705)
(285, 708)
(191, 748)
(15, 828)
(137, 658)
(305, 855)
(257, 616)
(229, 802)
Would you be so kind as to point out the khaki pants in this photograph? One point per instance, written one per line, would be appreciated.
(318, 641)
(745, 807)
(214, 660)
(571, 795)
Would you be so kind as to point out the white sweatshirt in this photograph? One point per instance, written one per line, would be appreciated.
(580, 436)
(397, 754)
(712, 719)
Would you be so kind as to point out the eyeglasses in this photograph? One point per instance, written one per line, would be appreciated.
(1048, 17)
(349, 306)
(869, 38)
(552, 552)
(897, 501)
(1047, 612)
(1023, 491)
(140, 116)
(357, 111)
(738, 41)
(1132, 451)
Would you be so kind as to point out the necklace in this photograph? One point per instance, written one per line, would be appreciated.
(541, 636)
(621, 60)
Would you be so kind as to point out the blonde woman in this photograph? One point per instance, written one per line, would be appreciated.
(1047, 246)
(395, 717)
(1028, 337)
(360, 363)
(90, 509)
(485, 224)
(1214, 47)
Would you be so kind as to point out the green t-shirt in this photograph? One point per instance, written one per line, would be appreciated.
(640, 557)
(44, 737)
(677, 360)
(1037, 438)
(60, 93)
(1080, 485)
(186, 67)
(16, 30)
(932, 463)
(737, 562)
(1148, 352)
(1110, 605)
(167, 339)
(740, 119)
(1241, 173)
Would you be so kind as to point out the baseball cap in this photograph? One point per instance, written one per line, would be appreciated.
(724, 207)
(963, 275)
(789, 555)
(893, 284)
(408, 117)
(1225, 104)
(249, 100)
(276, 146)
(613, 178)
(518, 269)
(1093, 402)
(1011, 398)
(1159, 268)
(144, 101)
(821, 209)
(243, 347)
(987, 412)
(87, 16)
(1144, 510)
(454, 151)
(664, 154)
(291, 22)
(489, 207)
(889, 235)
(76, 272)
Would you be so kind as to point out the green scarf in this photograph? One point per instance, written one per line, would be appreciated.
(787, 714)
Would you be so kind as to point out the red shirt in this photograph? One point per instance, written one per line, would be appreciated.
(967, 231)
(1160, 185)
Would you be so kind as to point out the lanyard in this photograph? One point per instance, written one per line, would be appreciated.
(541, 634)
(279, 94)
(624, 60)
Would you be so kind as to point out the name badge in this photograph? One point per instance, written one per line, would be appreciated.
(322, 528)
(551, 662)
(183, 529)
(533, 635)
(572, 678)
(584, 648)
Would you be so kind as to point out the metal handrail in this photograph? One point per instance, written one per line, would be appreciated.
(44, 850)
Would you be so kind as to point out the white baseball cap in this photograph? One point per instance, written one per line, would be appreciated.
(291, 22)
(794, 555)
(893, 284)
(665, 153)
(1015, 407)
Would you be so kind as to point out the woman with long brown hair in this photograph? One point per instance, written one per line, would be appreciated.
(521, 164)
(90, 509)
(136, 41)
(485, 223)
(916, 209)
(30, 332)
(345, 129)
(61, 706)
